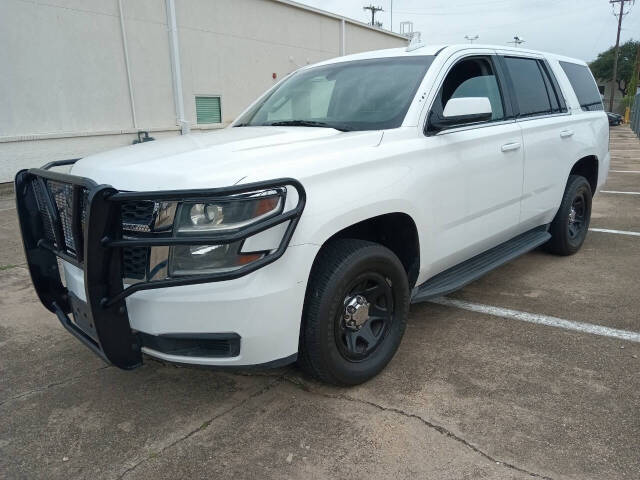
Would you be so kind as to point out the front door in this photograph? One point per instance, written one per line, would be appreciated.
(481, 181)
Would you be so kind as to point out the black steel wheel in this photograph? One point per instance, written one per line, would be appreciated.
(577, 216)
(355, 312)
(571, 223)
(367, 315)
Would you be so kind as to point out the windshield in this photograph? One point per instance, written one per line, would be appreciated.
(369, 94)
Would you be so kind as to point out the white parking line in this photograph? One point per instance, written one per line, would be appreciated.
(539, 319)
(625, 171)
(619, 193)
(619, 232)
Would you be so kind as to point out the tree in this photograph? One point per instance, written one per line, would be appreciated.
(602, 66)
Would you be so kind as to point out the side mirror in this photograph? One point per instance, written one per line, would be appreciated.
(462, 111)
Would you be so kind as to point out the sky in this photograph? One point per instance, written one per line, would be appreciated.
(576, 28)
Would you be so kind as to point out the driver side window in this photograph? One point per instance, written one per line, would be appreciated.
(472, 77)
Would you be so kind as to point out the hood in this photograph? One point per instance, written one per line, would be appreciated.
(220, 158)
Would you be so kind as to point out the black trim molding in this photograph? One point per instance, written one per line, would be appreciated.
(208, 345)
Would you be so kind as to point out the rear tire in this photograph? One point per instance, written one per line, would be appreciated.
(571, 223)
(355, 312)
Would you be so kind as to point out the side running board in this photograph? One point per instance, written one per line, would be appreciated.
(466, 272)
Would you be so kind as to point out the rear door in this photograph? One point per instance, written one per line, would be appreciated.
(541, 113)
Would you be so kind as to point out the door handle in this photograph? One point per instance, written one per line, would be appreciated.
(566, 133)
(507, 147)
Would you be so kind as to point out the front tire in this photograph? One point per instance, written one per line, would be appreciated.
(355, 312)
(571, 223)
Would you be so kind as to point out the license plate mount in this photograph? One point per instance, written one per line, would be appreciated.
(82, 317)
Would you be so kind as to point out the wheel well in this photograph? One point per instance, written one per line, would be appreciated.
(396, 231)
(588, 168)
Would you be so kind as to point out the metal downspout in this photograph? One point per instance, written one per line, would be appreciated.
(125, 49)
(176, 71)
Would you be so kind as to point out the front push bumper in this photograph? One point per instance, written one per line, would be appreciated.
(74, 219)
(263, 309)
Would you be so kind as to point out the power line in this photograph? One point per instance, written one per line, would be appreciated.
(472, 38)
(462, 9)
(465, 6)
(491, 28)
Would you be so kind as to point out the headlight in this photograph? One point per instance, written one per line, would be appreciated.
(219, 216)
(229, 213)
(202, 259)
(202, 235)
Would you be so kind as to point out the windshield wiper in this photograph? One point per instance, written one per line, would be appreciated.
(307, 123)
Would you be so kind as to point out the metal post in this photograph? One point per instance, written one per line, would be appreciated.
(174, 50)
(633, 116)
(614, 83)
(634, 110)
(343, 50)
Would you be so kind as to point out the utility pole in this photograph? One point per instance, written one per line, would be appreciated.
(472, 39)
(614, 83)
(374, 10)
(391, 15)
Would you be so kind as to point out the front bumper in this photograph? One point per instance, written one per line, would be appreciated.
(74, 219)
(263, 309)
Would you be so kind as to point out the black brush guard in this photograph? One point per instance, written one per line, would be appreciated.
(102, 322)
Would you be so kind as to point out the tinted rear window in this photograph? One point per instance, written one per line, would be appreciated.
(529, 85)
(583, 84)
(557, 101)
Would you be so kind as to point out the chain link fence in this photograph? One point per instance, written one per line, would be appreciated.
(635, 115)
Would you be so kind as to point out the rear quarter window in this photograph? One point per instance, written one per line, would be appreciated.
(583, 84)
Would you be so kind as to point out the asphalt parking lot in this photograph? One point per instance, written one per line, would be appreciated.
(470, 394)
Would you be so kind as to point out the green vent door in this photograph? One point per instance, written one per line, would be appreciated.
(208, 110)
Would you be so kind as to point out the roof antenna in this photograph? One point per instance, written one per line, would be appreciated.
(517, 40)
(415, 42)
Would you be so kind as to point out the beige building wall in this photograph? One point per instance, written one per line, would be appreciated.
(64, 74)
(618, 100)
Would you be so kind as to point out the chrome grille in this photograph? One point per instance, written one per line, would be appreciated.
(138, 216)
(134, 262)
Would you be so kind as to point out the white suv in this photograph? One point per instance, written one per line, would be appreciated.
(306, 228)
